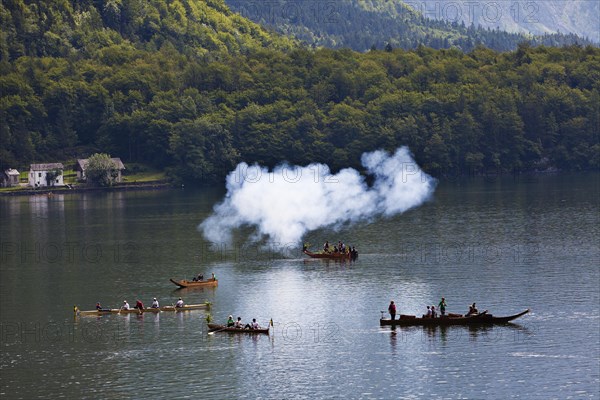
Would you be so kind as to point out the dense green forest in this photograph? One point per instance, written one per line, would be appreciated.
(376, 24)
(189, 86)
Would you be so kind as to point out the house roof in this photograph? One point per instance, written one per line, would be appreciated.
(82, 162)
(11, 171)
(46, 167)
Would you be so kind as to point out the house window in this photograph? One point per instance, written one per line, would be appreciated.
(39, 174)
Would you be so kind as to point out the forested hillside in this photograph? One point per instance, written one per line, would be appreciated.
(193, 88)
(365, 24)
(68, 28)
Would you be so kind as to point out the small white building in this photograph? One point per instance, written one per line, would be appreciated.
(40, 174)
(81, 165)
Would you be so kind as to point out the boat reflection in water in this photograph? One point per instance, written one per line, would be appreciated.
(454, 333)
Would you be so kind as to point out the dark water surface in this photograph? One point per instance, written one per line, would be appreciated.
(508, 244)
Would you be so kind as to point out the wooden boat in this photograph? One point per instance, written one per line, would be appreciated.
(329, 256)
(186, 307)
(453, 319)
(223, 328)
(184, 283)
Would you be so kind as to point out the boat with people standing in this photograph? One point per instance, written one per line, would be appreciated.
(483, 318)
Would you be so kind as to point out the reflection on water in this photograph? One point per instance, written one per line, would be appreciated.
(473, 333)
(507, 245)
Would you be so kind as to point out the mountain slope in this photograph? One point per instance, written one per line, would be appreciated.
(580, 17)
(364, 24)
(81, 28)
(189, 87)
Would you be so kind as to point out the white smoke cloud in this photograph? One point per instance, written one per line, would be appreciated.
(289, 201)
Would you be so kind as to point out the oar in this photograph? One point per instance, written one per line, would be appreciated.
(218, 330)
(208, 318)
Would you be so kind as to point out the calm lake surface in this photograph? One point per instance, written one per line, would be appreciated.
(507, 244)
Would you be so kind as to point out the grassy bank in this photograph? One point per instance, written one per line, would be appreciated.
(136, 175)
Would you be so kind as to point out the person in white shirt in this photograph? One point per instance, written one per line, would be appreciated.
(238, 323)
(179, 303)
(154, 303)
(125, 305)
(254, 324)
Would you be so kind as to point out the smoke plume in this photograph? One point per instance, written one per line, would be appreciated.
(289, 201)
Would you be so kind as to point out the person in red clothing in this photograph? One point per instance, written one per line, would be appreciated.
(139, 305)
(392, 310)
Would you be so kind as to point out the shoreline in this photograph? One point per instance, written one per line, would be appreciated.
(157, 185)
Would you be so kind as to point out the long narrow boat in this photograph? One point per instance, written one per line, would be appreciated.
(187, 307)
(330, 256)
(479, 319)
(184, 283)
(223, 328)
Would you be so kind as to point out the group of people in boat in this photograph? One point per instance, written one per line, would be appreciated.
(240, 325)
(139, 305)
(200, 277)
(340, 247)
(432, 312)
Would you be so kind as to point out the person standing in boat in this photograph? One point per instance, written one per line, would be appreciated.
(442, 306)
(179, 303)
(214, 278)
(154, 303)
(392, 310)
(326, 246)
(125, 305)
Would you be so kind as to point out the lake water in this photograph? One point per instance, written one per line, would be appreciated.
(507, 244)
